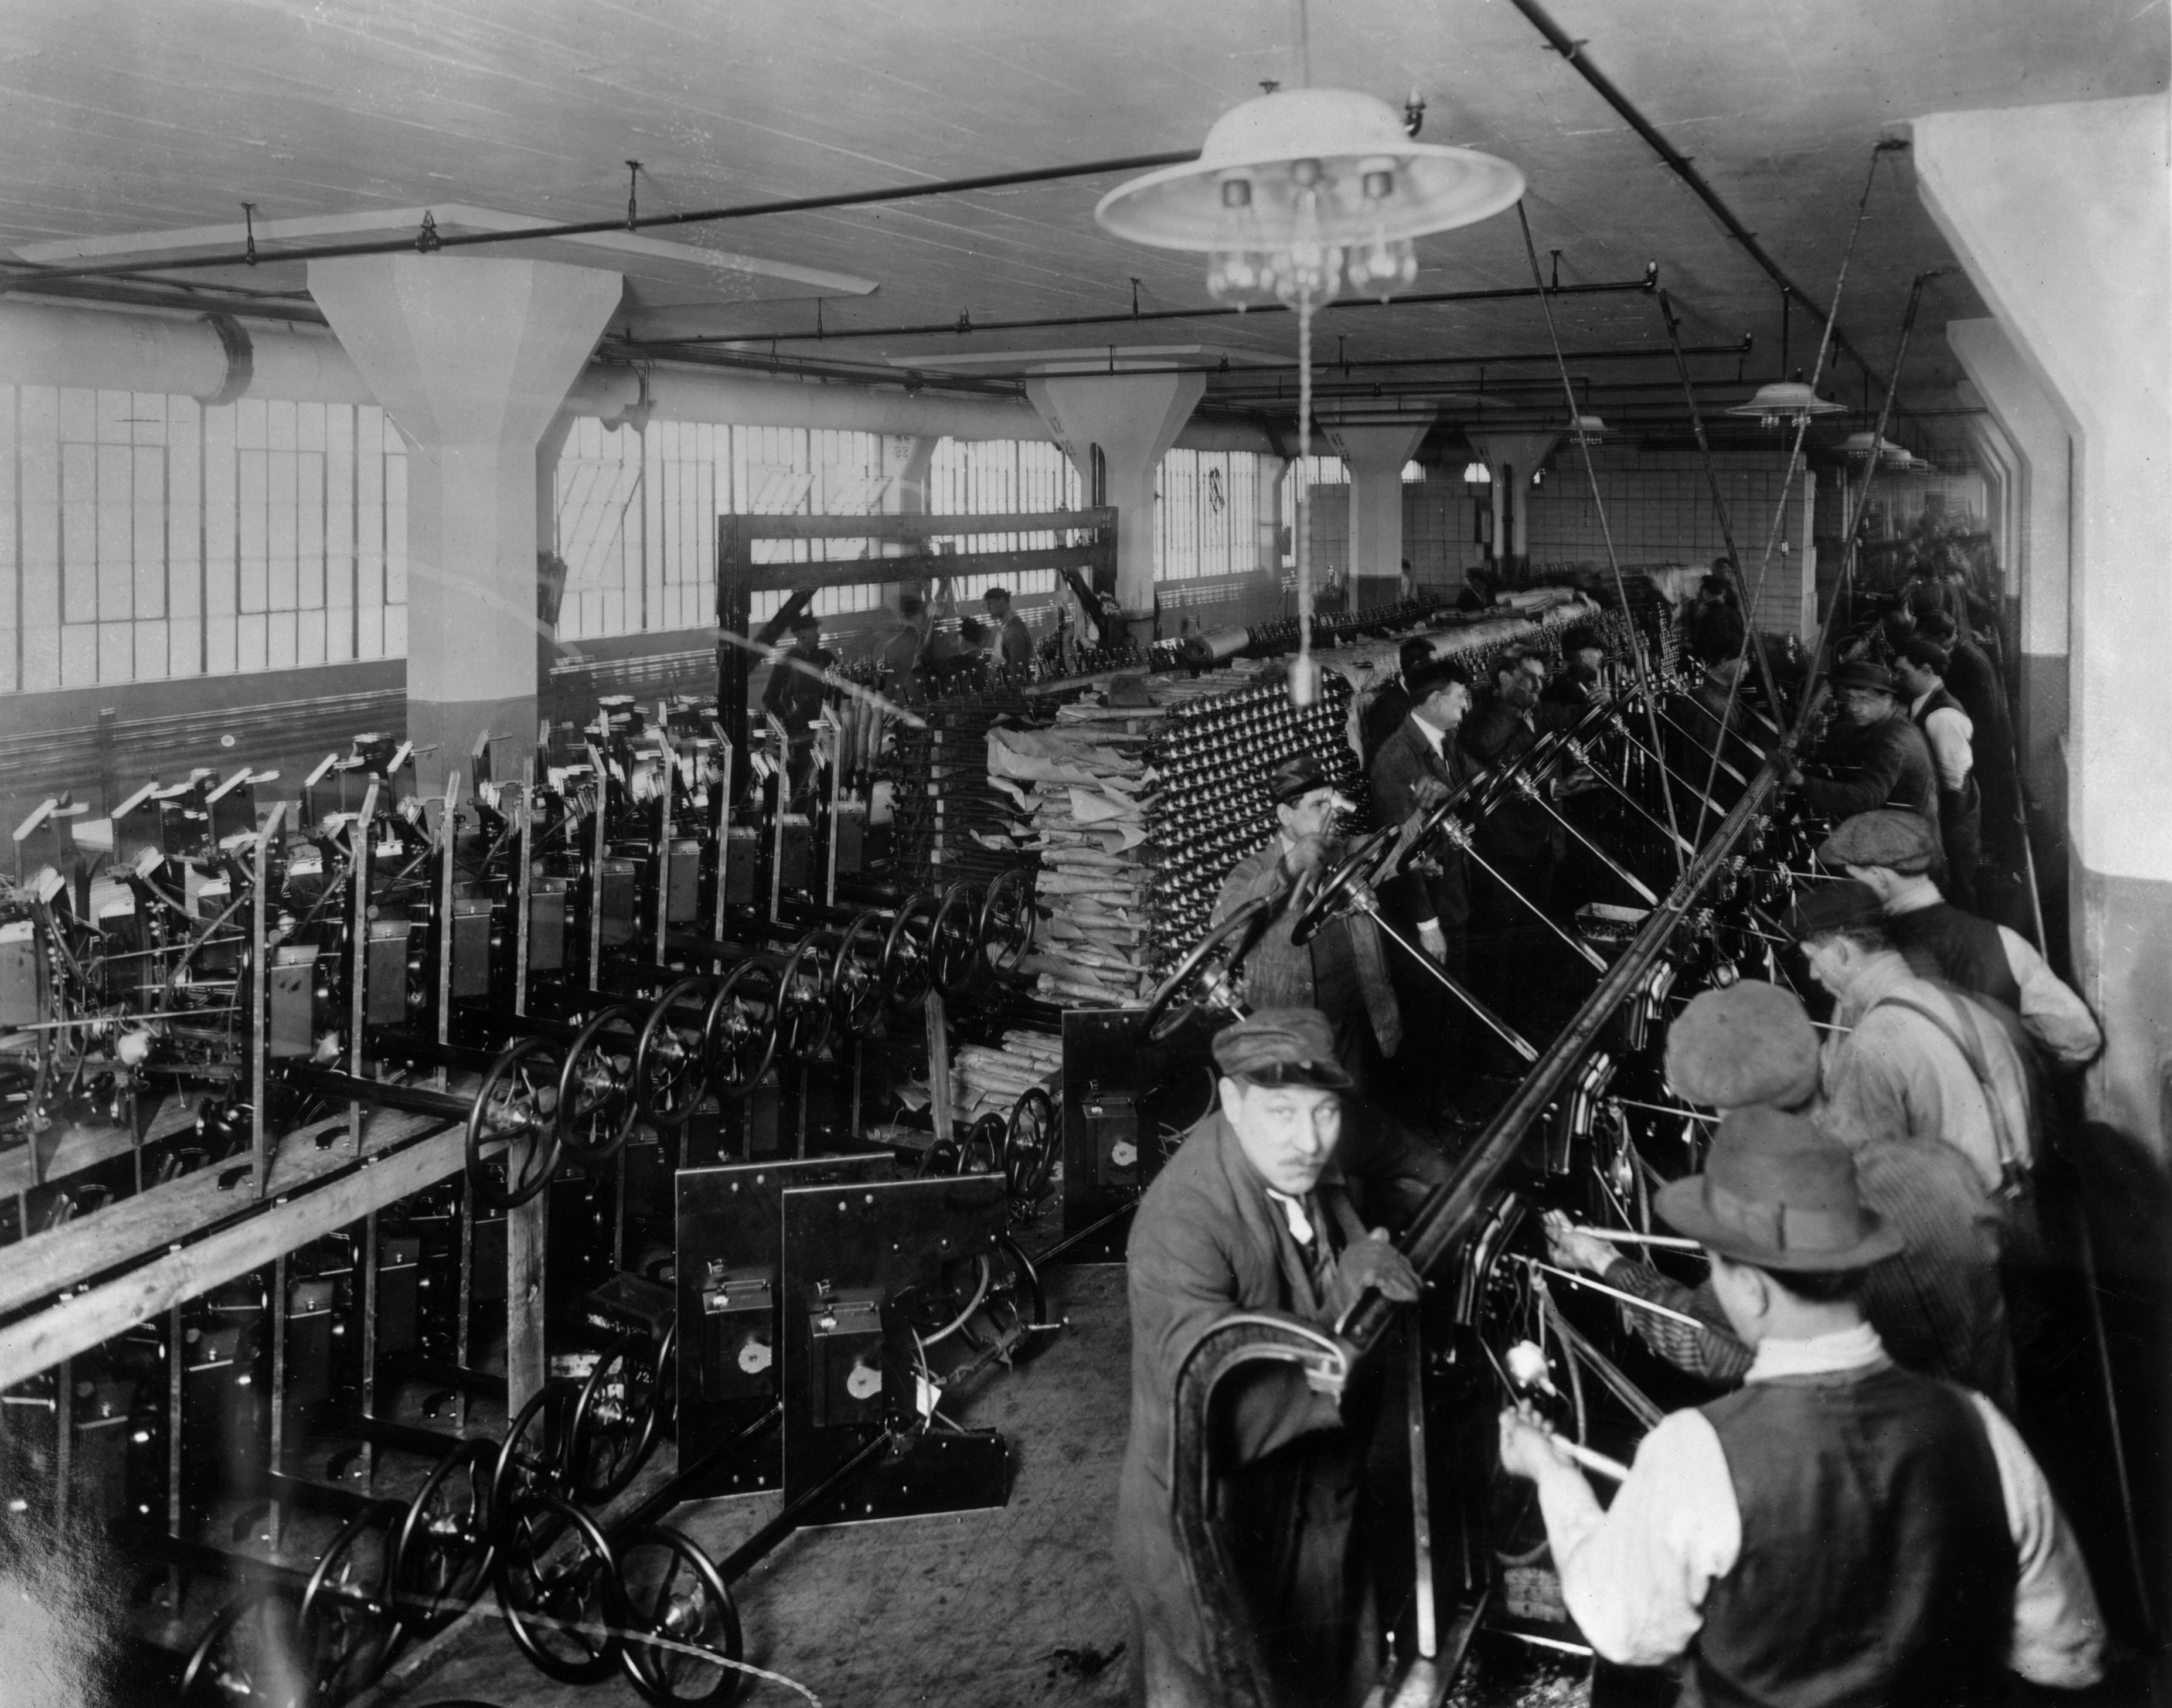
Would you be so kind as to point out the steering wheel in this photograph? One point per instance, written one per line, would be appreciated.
(856, 985)
(1337, 893)
(904, 957)
(1202, 979)
(954, 940)
(1007, 921)
(515, 1104)
(669, 1076)
(596, 1105)
(739, 1043)
(1030, 1145)
(804, 1014)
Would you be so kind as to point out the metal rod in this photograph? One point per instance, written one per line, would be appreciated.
(1622, 1236)
(1529, 790)
(1574, 1278)
(1414, 1409)
(1507, 1033)
(1577, 751)
(29, 274)
(1591, 956)
(735, 1564)
(361, 832)
(260, 1002)
(524, 882)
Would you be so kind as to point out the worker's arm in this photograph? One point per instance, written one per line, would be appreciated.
(2058, 1633)
(1182, 1283)
(2054, 1016)
(1710, 1351)
(1869, 789)
(1635, 1575)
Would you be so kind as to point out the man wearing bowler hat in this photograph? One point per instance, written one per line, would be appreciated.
(1341, 972)
(1839, 1530)
(1254, 1213)
(1876, 755)
(1938, 1305)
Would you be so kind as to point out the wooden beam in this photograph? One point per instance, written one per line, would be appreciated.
(80, 1148)
(913, 526)
(37, 1269)
(526, 1226)
(96, 1315)
(845, 572)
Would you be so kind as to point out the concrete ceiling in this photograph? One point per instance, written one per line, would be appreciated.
(119, 118)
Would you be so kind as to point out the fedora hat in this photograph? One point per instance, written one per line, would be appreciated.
(1777, 1192)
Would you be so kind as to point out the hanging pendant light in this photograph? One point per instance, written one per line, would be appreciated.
(1783, 402)
(1302, 191)
(1295, 196)
(1588, 427)
(1861, 446)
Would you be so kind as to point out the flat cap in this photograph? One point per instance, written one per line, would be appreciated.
(1863, 673)
(1832, 908)
(802, 621)
(1283, 1047)
(1295, 777)
(1749, 1043)
(1901, 842)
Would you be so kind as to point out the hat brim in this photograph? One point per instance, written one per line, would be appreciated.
(1328, 1075)
(1680, 1204)
(1833, 860)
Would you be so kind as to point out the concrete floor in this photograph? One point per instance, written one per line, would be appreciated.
(978, 1610)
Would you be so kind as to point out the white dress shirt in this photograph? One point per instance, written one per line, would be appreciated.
(1435, 739)
(1636, 1575)
(1949, 732)
(2050, 1012)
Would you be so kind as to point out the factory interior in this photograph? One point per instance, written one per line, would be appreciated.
(1293, 853)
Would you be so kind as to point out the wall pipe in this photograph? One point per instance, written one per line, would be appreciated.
(964, 325)
(1572, 50)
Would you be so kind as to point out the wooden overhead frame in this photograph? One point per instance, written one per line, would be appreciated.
(1088, 566)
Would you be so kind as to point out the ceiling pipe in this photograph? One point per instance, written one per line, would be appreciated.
(1571, 49)
(964, 324)
(429, 240)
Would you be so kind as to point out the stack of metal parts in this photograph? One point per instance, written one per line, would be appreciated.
(1213, 755)
(990, 1079)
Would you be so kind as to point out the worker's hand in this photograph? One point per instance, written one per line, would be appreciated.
(1308, 854)
(1427, 793)
(1434, 940)
(1527, 1450)
(1572, 1248)
(1372, 1265)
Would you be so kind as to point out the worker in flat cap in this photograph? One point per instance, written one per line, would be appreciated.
(1874, 756)
(1256, 1213)
(1427, 901)
(1936, 1303)
(1839, 1529)
(1342, 971)
(1582, 678)
(1891, 853)
(1912, 1062)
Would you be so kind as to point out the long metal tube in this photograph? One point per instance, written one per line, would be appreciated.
(431, 240)
(1507, 1033)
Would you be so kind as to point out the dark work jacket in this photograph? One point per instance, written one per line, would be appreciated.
(1887, 764)
(794, 697)
(1208, 1243)
(1877, 1566)
(1973, 682)
(1517, 832)
(1713, 631)
(1015, 643)
(1388, 709)
(1943, 944)
(1404, 760)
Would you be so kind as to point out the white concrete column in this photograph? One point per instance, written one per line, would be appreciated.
(2060, 216)
(1134, 418)
(1267, 516)
(1375, 456)
(1512, 456)
(472, 357)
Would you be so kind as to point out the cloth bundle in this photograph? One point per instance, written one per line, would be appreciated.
(990, 1079)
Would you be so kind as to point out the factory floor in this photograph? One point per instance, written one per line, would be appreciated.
(987, 1610)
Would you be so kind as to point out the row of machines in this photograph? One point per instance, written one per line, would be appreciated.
(624, 1026)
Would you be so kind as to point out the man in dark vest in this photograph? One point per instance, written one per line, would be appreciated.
(1838, 1530)
(1342, 971)
(1875, 756)
(1391, 702)
(1013, 639)
(1891, 853)
(1252, 1213)
(1919, 671)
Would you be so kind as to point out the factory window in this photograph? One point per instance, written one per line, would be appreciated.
(144, 537)
(1205, 513)
(997, 477)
